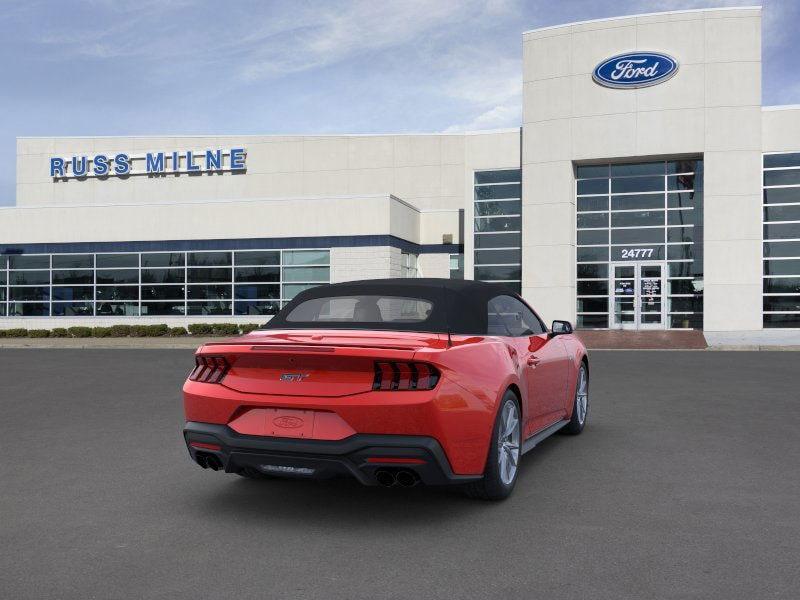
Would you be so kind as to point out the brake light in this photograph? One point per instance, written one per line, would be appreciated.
(209, 369)
(404, 376)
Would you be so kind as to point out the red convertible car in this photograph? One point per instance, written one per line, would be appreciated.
(393, 382)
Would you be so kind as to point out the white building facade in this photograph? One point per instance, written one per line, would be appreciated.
(655, 192)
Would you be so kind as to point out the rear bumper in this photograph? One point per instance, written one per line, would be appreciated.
(359, 455)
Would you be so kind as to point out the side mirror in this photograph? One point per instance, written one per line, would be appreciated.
(560, 328)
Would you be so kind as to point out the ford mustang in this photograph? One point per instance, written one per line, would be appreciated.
(394, 382)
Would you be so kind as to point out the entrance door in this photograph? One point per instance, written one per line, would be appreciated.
(637, 295)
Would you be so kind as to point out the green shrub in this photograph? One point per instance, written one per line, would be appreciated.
(157, 330)
(138, 331)
(201, 329)
(16, 332)
(59, 332)
(38, 333)
(248, 327)
(80, 332)
(224, 329)
(177, 331)
(101, 332)
(119, 330)
(2, 333)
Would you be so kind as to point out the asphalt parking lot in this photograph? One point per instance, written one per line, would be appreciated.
(684, 485)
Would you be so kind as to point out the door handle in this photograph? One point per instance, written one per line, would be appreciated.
(533, 360)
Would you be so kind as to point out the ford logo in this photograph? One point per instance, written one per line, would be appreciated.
(288, 422)
(635, 70)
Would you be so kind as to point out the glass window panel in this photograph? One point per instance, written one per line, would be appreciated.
(162, 308)
(209, 275)
(257, 273)
(683, 286)
(788, 177)
(29, 293)
(592, 288)
(782, 249)
(306, 257)
(782, 231)
(514, 286)
(162, 292)
(789, 159)
(25, 261)
(593, 305)
(256, 292)
(163, 276)
(2, 294)
(597, 203)
(209, 292)
(84, 292)
(681, 269)
(593, 220)
(592, 236)
(291, 290)
(258, 258)
(73, 261)
(782, 303)
(637, 184)
(3, 308)
(256, 308)
(497, 240)
(693, 304)
(680, 182)
(637, 202)
(637, 236)
(782, 267)
(627, 271)
(117, 292)
(118, 276)
(782, 213)
(29, 277)
(309, 274)
(592, 321)
(684, 166)
(117, 309)
(586, 171)
(209, 259)
(498, 176)
(117, 261)
(694, 321)
(637, 219)
(647, 168)
(497, 273)
(492, 192)
(680, 234)
(782, 195)
(493, 224)
(681, 217)
(782, 285)
(221, 307)
(487, 209)
(73, 277)
(776, 321)
(592, 186)
(680, 252)
(498, 257)
(2, 278)
(684, 199)
(592, 254)
(163, 259)
(28, 309)
(592, 271)
(73, 309)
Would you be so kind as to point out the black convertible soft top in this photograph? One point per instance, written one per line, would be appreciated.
(459, 306)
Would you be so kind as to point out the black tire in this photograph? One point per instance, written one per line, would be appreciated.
(492, 487)
(576, 423)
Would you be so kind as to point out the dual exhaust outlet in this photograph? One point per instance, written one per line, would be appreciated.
(208, 461)
(400, 477)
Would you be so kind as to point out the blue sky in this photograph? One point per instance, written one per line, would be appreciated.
(104, 67)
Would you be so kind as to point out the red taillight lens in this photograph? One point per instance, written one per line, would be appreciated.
(209, 369)
(404, 376)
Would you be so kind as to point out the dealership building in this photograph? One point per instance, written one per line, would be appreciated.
(646, 188)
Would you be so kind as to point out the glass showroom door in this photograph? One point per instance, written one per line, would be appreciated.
(637, 300)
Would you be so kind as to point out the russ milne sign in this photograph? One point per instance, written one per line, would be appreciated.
(635, 70)
(122, 164)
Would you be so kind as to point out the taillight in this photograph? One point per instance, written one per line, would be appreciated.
(209, 369)
(400, 376)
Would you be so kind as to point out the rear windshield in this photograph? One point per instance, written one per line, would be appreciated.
(361, 309)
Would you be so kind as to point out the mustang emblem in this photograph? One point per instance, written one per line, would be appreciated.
(293, 376)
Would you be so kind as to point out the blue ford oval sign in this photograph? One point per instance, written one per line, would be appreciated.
(635, 70)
